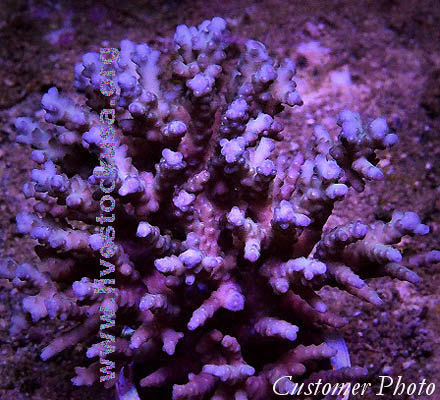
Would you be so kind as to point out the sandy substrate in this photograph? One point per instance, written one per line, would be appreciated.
(376, 57)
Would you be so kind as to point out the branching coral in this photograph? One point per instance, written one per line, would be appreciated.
(220, 246)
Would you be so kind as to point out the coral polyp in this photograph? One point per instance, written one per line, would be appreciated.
(220, 246)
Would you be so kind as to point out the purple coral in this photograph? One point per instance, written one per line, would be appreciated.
(220, 247)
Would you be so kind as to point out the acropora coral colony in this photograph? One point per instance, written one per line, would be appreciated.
(219, 241)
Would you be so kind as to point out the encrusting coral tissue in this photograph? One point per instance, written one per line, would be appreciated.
(219, 226)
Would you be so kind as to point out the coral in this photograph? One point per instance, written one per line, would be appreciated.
(216, 235)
